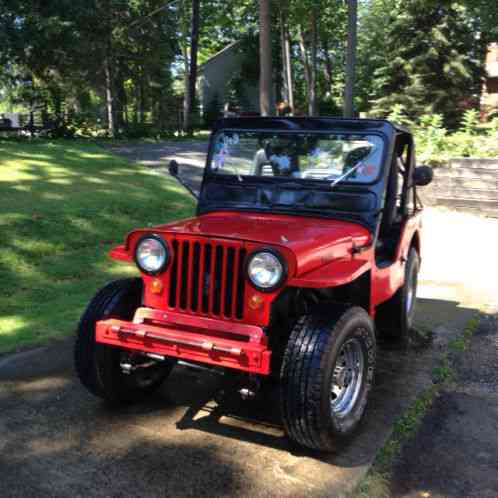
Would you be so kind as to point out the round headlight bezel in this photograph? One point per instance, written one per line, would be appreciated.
(280, 259)
(167, 254)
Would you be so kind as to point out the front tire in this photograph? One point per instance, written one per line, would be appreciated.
(326, 376)
(98, 366)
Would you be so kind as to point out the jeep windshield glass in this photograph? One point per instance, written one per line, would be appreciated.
(333, 157)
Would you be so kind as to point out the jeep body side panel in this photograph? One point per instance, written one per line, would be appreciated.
(386, 281)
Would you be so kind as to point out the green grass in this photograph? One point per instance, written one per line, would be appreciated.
(62, 206)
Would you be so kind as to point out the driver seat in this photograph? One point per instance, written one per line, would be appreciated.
(262, 166)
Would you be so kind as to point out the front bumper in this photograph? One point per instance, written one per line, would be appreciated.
(206, 340)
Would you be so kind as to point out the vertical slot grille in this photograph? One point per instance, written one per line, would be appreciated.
(207, 278)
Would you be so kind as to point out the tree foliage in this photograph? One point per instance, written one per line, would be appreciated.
(127, 62)
(423, 55)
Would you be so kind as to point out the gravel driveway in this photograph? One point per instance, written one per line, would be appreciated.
(195, 437)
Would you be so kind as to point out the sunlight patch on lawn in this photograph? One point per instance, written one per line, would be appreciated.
(61, 181)
(55, 241)
(9, 325)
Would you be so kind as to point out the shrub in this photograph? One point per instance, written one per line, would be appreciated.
(431, 139)
(436, 146)
(398, 116)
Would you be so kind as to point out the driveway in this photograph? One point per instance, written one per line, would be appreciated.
(195, 437)
(190, 155)
(455, 453)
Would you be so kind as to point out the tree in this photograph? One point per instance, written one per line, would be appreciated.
(316, 31)
(191, 80)
(265, 55)
(286, 55)
(308, 44)
(350, 59)
(432, 62)
(90, 56)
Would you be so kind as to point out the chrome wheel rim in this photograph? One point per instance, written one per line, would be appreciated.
(411, 293)
(347, 378)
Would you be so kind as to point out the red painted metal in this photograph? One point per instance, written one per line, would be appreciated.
(120, 253)
(311, 241)
(338, 272)
(190, 338)
(386, 281)
(191, 307)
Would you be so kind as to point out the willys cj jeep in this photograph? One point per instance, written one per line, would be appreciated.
(305, 247)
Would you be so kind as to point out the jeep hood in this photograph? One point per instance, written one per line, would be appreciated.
(314, 241)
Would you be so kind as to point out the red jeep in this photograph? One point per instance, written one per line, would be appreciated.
(304, 248)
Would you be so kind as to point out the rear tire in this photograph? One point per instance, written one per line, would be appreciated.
(395, 317)
(98, 365)
(326, 375)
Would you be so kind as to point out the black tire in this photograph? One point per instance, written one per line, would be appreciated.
(312, 356)
(98, 365)
(394, 318)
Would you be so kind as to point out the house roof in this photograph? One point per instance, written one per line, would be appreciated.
(229, 47)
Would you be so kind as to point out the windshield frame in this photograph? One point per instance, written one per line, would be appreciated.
(208, 172)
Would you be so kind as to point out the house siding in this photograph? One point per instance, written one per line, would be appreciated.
(216, 73)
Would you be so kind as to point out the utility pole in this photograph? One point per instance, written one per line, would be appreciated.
(350, 59)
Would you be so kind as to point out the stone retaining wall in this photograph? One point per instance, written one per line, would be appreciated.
(465, 184)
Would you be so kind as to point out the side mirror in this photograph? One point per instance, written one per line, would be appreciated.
(173, 171)
(173, 168)
(422, 176)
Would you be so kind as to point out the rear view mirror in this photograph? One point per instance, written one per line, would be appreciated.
(422, 176)
(173, 168)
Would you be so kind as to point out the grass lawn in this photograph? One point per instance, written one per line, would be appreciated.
(62, 206)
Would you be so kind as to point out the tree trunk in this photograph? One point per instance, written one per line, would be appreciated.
(285, 92)
(136, 103)
(108, 73)
(120, 101)
(286, 59)
(350, 59)
(191, 81)
(266, 70)
(109, 97)
(141, 106)
(328, 67)
(306, 66)
(314, 49)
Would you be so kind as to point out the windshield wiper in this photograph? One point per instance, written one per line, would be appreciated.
(345, 175)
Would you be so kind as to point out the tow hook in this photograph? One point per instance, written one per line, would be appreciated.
(250, 391)
(128, 367)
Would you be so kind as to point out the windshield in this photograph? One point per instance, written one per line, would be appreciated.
(330, 157)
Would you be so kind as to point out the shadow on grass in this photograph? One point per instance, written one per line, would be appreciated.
(62, 206)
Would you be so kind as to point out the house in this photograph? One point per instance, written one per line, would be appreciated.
(221, 81)
(489, 98)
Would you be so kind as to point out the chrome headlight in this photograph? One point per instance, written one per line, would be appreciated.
(266, 269)
(151, 254)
